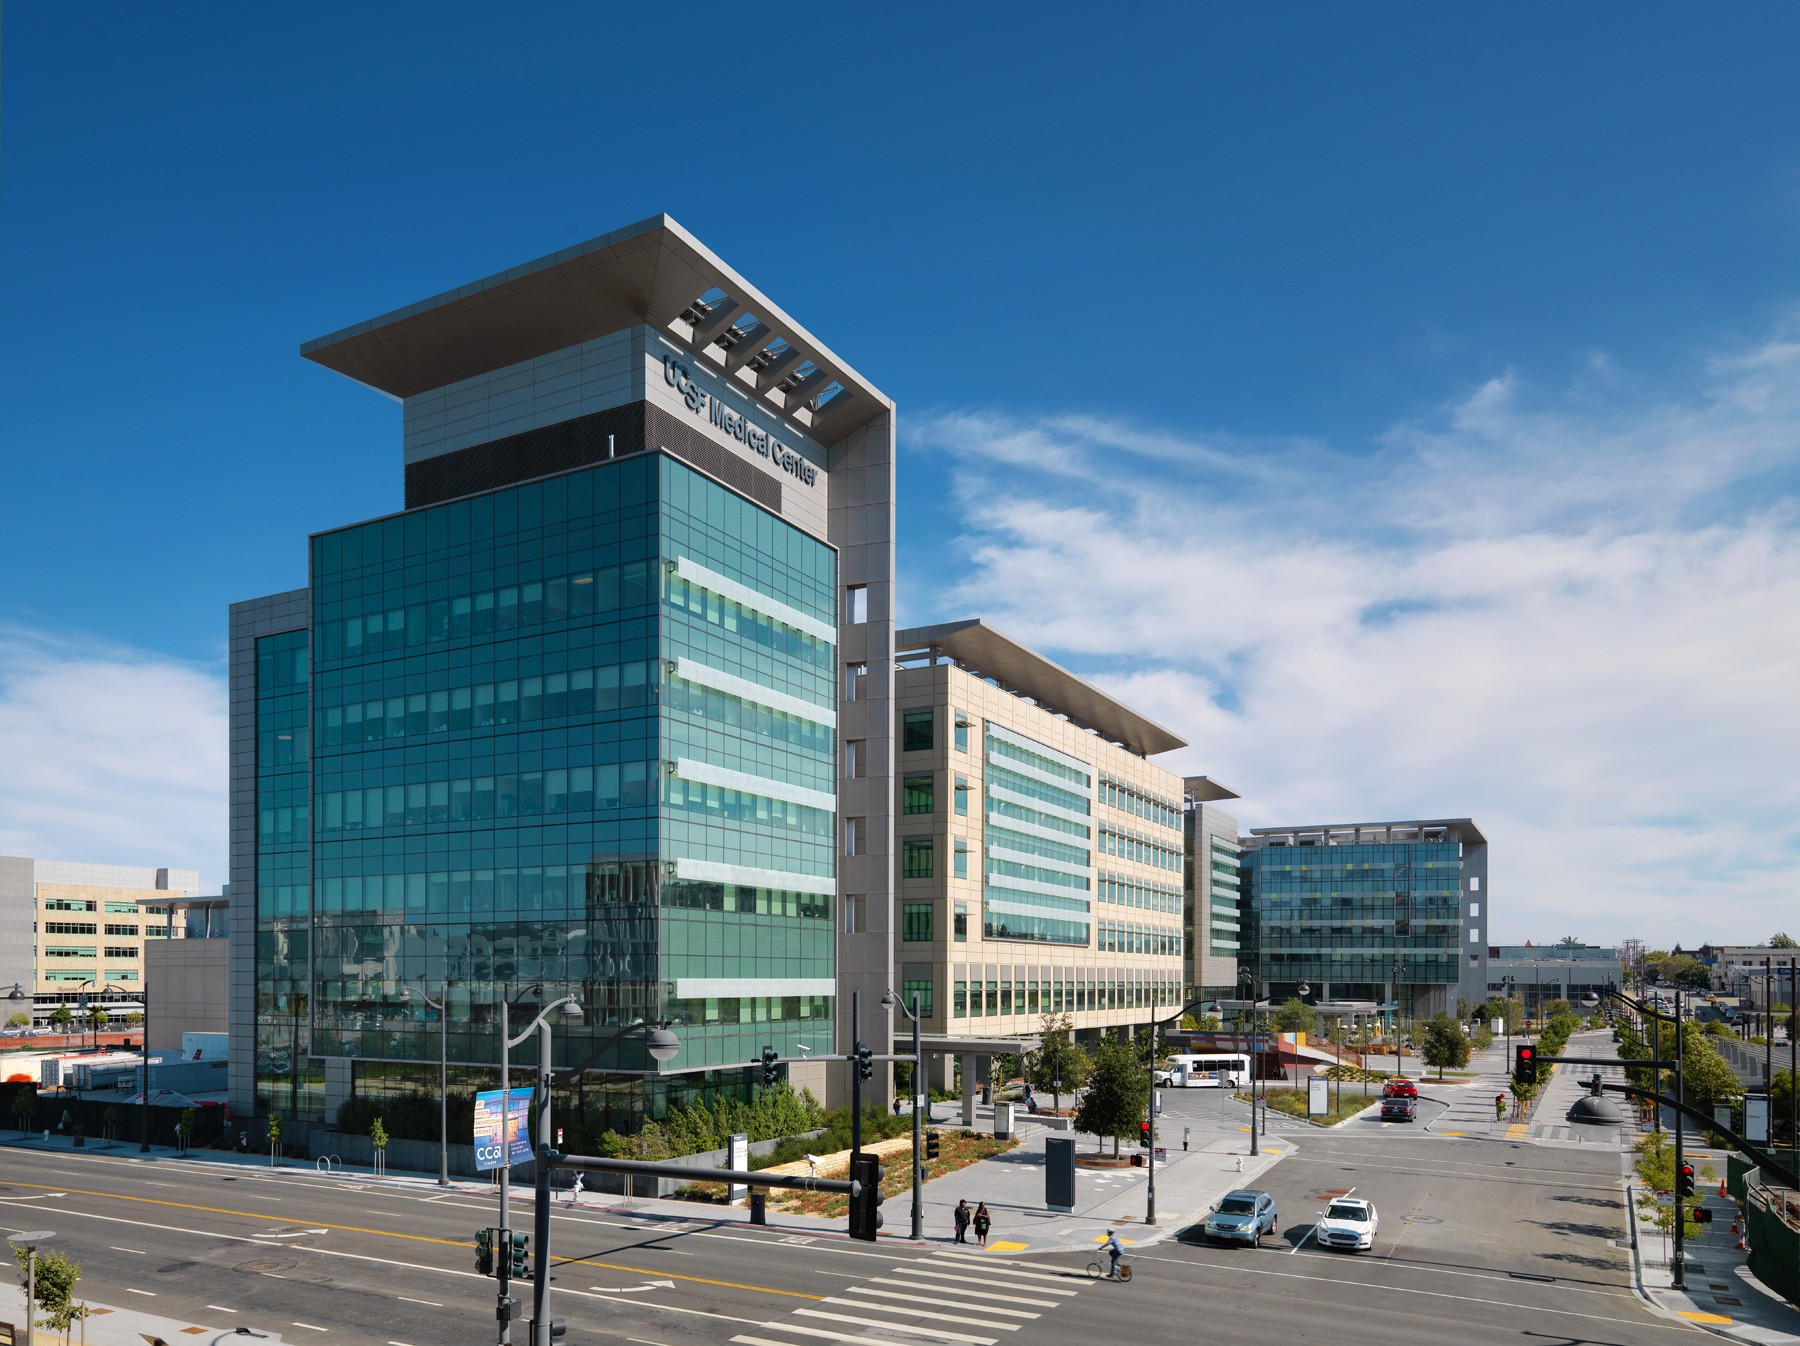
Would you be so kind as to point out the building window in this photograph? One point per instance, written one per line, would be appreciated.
(921, 989)
(959, 1000)
(856, 680)
(975, 1000)
(917, 730)
(856, 603)
(961, 869)
(959, 923)
(915, 921)
(962, 732)
(851, 908)
(853, 835)
(915, 857)
(962, 796)
(854, 748)
(918, 794)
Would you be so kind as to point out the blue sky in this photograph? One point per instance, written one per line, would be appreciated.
(1447, 355)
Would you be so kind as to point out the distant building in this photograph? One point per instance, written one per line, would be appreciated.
(1539, 973)
(1390, 912)
(72, 931)
(188, 975)
(1213, 893)
(1739, 969)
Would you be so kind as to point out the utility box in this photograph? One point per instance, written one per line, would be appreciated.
(1003, 1121)
(1059, 1173)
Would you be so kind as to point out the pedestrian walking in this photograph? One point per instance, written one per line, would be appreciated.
(983, 1222)
(896, 1105)
(961, 1217)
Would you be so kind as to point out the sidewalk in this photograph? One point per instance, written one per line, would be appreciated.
(1721, 1296)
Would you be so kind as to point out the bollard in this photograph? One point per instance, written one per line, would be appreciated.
(759, 1208)
(1184, 1136)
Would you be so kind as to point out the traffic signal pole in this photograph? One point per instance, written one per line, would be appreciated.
(1678, 1265)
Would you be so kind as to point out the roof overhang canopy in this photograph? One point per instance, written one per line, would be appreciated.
(1017, 668)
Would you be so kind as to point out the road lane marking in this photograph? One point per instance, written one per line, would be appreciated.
(298, 1323)
(922, 1313)
(220, 1308)
(148, 1294)
(116, 1248)
(913, 1298)
(430, 1302)
(911, 1329)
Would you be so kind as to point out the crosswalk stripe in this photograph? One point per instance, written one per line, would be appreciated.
(1019, 1270)
(943, 1334)
(975, 1280)
(791, 1326)
(867, 1307)
(956, 1303)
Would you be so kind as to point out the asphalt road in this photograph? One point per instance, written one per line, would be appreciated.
(311, 1258)
(1480, 1241)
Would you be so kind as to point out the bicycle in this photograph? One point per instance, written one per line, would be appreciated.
(1099, 1271)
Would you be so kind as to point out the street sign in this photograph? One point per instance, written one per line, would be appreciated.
(1318, 1095)
(488, 1104)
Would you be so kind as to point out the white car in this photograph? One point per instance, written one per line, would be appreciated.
(1348, 1222)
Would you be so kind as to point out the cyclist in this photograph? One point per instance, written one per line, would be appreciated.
(1114, 1249)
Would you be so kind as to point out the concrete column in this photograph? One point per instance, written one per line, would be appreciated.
(968, 1088)
(940, 1070)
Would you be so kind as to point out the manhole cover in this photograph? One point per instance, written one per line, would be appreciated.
(261, 1264)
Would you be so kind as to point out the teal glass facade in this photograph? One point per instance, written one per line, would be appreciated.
(1344, 916)
(1038, 809)
(578, 732)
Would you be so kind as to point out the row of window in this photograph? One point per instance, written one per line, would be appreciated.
(1005, 748)
(112, 908)
(88, 950)
(81, 974)
(1069, 852)
(1123, 937)
(1126, 892)
(1129, 799)
(918, 794)
(918, 858)
(1143, 850)
(581, 691)
(984, 999)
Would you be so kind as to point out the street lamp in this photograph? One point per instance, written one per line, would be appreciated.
(29, 1240)
(661, 1044)
(1247, 979)
(443, 1009)
(890, 1000)
(1150, 1159)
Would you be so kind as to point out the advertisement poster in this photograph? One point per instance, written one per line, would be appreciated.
(487, 1126)
(1318, 1096)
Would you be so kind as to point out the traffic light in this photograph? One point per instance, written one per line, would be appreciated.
(770, 1061)
(865, 1203)
(1525, 1064)
(1684, 1181)
(865, 1061)
(521, 1255)
(1144, 1134)
(484, 1251)
(931, 1145)
(558, 1329)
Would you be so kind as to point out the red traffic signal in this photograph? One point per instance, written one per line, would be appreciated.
(1684, 1181)
(1525, 1064)
(1144, 1133)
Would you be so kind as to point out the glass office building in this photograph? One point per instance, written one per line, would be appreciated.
(1383, 913)
(567, 725)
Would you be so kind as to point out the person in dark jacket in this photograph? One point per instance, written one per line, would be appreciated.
(962, 1221)
(983, 1222)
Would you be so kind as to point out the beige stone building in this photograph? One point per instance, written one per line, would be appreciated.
(71, 931)
(1039, 852)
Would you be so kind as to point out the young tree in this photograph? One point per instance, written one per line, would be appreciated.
(1296, 1016)
(23, 1104)
(1118, 1094)
(20, 1020)
(1782, 940)
(1444, 1043)
(1059, 1065)
(1705, 1078)
(1555, 1007)
(55, 1277)
(98, 1018)
(63, 1018)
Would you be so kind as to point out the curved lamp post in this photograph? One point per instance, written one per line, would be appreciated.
(443, 1011)
(890, 1000)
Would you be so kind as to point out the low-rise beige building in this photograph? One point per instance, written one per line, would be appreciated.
(1039, 852)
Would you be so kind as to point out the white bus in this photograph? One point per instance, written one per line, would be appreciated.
(1204, 1072)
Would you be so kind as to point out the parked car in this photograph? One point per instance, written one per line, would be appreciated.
(1348, 1222)
(1399, 1109)
(1243, 1216)
(1400, 1089)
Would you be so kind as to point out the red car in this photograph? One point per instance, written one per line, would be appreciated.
(1399, 1089)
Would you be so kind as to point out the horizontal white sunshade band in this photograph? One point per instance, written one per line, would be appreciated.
(711, 871)
(1036, 773)
(726, 587)
(1039, 861)
(729, 683)
(1034, 886)
(1026, 909)
(1018, 740)
(705, 773)
(1028, 802)
(1002, 821)
(724, 988)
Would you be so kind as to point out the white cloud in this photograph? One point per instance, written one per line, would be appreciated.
(1576, 621)
(110, 755)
